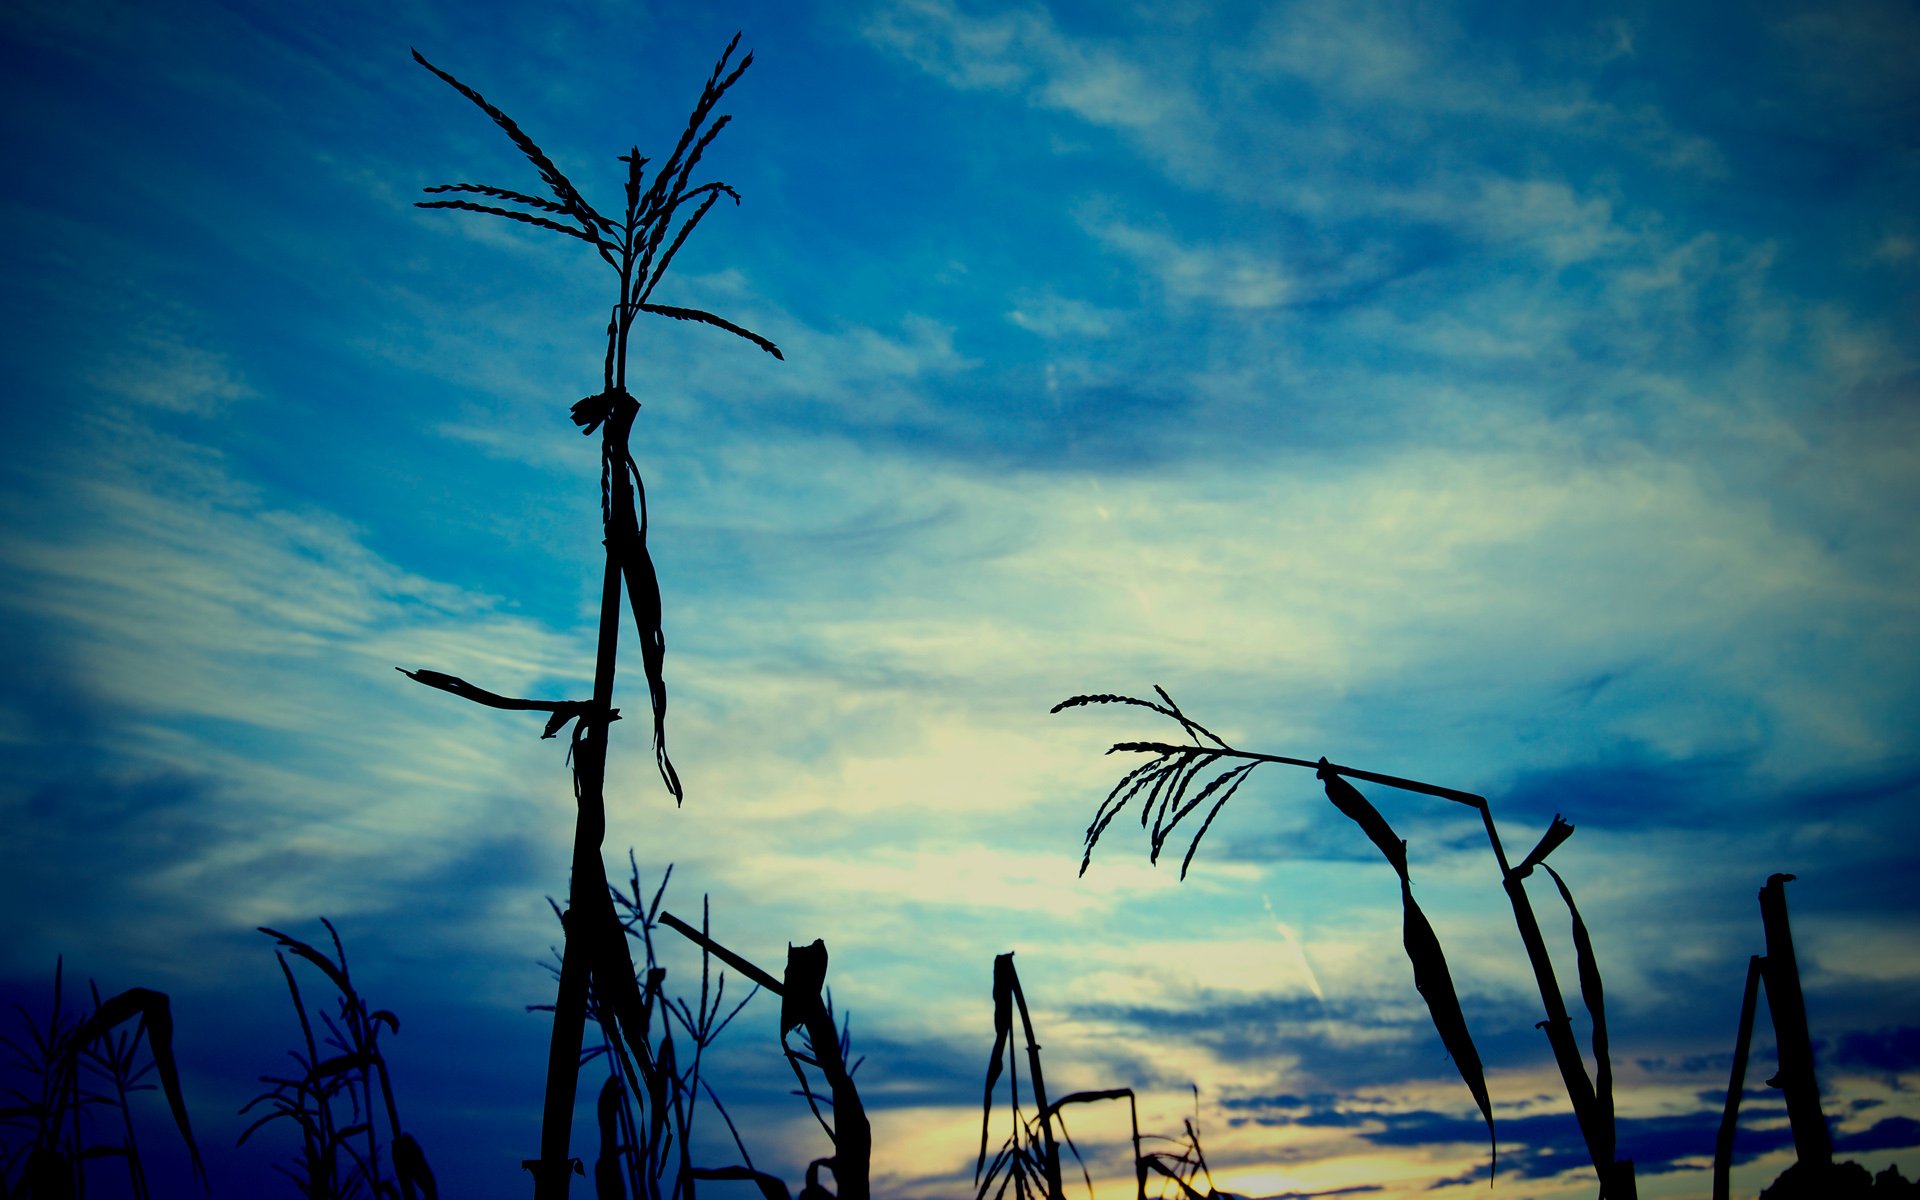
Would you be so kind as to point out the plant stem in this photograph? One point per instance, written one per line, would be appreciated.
(1736, 1084)
(1812, 1142)
(1050, 1148)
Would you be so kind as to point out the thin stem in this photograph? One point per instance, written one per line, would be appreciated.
(1736, 1083)
(1050, 1149)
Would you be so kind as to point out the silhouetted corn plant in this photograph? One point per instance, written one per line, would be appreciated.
(1185, 1168)
(639, 245)
(1028, 1162)
(807, 1005)
(58, 1057)
(331, 1100)
(1778, 971)
(1169, 786)
(646, 1137)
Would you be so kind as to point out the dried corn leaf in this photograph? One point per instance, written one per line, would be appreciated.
(156, 1016)
(326, 965)
(770, 1187)
(1003, 985)
(340, 1064)
(411, 1164)
(643, 596)
(1430, 974)
(1435, 984)
(1594, 997)
(1361, 811)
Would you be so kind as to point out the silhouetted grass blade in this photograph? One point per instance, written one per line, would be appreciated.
(327, 968)
(1594, 996)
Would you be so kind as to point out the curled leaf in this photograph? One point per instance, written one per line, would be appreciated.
(805, 978)
(1556, 833)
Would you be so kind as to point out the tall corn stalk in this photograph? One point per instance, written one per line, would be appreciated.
(639, 246)
(1167, 780)
(1778, 971)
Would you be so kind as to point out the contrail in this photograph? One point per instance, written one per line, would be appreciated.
(1299, 950)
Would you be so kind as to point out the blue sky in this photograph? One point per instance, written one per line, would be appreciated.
(1522, 400)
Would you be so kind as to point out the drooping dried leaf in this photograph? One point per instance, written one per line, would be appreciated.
(411, 1164)
(608, 1182)
(303, 950)
(643, 597)
(1361, 811)
(1593, 995)
(1435, 984)
(156, 1015)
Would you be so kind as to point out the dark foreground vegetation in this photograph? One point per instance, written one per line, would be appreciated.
(69, 1110)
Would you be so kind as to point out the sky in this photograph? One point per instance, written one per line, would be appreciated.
(1519, 398)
